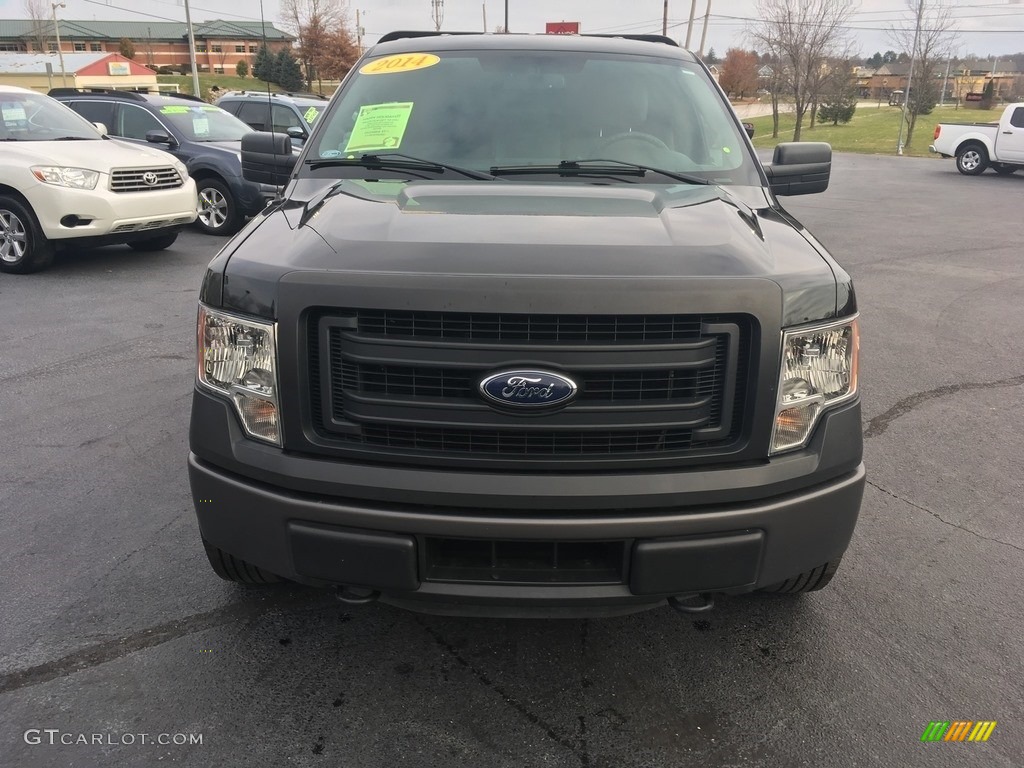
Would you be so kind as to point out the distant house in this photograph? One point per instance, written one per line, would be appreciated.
(220, 45)
(42, 71)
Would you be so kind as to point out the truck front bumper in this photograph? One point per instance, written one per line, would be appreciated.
(730, 530)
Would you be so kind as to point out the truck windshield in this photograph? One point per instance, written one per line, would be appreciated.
(34, 117)
(491, 110)
(205, 122)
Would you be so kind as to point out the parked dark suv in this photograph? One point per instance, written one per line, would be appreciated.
(531, 331)
(203, 136)
(291, 113)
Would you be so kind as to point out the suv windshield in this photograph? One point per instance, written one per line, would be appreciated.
(204, 122)
(34, 117)
(494, 110)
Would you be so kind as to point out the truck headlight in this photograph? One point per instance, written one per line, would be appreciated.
(76, 178)
(237, 357)
(819, 370)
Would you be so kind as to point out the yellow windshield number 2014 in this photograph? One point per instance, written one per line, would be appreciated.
(405, 62)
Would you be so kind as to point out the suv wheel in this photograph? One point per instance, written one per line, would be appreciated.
(231, 568)
(218, 214)
(23, 247)
(808, 581)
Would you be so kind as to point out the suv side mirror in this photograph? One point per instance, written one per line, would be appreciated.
(159, 137)
(101, 128)
(267, 158)
(800, 168)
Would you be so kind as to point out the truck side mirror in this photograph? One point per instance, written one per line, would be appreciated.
(800, 168)
(267, 158)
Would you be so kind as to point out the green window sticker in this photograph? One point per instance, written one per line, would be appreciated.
(200, 126)
(311, 115)
(174, 109)
(379, 126)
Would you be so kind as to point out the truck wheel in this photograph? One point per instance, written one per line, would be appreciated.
(231, 568)
(971, 159)
(23, 247)
(154, 243)
(809, 581)
(218, 212)
(1004, 170)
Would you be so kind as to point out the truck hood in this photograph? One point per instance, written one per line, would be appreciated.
(100, 155)
(533, 229)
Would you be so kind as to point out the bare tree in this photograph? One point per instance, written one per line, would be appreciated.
(314, 24)
(38, 12)
(930, 26)
(802, 35)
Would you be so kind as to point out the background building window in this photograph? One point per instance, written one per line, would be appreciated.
(95, 46)
(51, 46)
(217, 49)
(218, 70)
(252, 49)
(200, 48)
(239, 49)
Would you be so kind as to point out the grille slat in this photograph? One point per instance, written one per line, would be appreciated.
(132, 179)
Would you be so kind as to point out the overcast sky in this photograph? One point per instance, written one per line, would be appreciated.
(988, 26)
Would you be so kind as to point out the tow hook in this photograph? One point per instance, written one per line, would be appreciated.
(697, 603)
(356, 595)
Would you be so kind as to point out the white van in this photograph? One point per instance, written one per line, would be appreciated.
(63, 182)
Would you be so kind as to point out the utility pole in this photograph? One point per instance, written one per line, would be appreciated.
(437, 13)
(359, 33)
(664, 19)
(945, 80)
(60, 53)
(485, 17)
(704, 31)
(910, 77)
(689, 26)
(196, 91)
(506, 17)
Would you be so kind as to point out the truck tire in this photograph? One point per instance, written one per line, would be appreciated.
(971, 159)
(154, 243)
(231, 568)
(218, 211)
(23, 247)
(808, 581)
(1004, 170)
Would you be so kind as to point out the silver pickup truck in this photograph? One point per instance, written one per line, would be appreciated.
(976, 146)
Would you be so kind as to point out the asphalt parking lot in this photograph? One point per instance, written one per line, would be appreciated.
(113, 623)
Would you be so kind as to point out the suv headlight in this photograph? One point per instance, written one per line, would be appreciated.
(76, 178)
(237, 357)
(819, 370)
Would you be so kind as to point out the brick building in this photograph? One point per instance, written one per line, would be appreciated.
(220, 45)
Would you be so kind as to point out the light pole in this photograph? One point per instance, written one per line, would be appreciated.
(192, 51)
(60, 53)
(506, 17)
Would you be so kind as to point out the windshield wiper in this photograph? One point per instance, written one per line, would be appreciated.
(397, 161)
(72, 138)
(596, 166)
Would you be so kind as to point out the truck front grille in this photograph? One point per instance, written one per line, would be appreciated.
(403, 386)
(144, 179)
(524, 562)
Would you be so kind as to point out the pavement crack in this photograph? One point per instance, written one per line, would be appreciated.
(880, 423)
(577, 748)
(112, 650)
(943, 520)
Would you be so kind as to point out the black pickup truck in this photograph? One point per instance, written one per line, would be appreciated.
(528, 333)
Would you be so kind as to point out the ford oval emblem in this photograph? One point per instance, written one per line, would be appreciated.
(528, 389)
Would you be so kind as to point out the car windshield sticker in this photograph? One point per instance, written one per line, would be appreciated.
(210, 108)
(311, 114)
(200, 126)
(406, 62)
(174, 110)
(13, 113)
(379, 126)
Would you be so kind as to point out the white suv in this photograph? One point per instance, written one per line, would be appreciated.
(63, 182)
